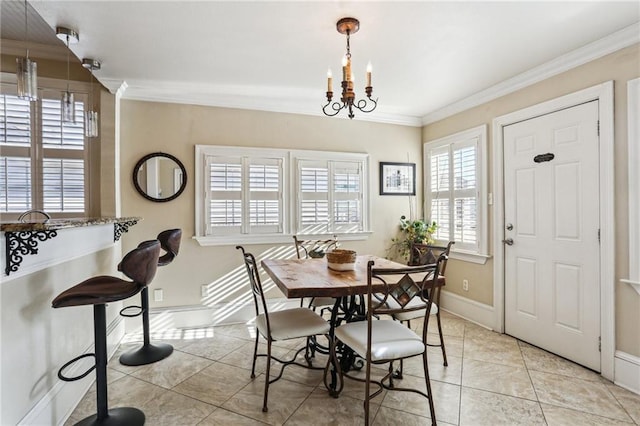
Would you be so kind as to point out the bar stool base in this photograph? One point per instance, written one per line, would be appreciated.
(123, 416)
(146, 354)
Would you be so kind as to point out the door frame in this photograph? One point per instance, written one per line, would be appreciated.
(604, 94)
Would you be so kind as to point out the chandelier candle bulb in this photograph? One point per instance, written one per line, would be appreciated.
(329, 81)
(344, 68)
(369, 74)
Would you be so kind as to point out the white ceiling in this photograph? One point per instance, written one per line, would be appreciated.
(274, 55)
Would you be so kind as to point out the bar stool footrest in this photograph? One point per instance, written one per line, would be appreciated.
(146, 354)
(122, 416)
(81, 376)
(137, 314)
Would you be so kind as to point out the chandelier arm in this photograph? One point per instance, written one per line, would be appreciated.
(335, 106)
(361, 104)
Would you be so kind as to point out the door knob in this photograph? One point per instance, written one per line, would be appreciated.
(508, 241)
(509, 226)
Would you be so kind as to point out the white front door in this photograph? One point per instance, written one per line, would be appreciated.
(552, 285)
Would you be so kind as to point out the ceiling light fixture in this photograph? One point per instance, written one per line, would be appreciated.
(348, 26)
(68, 105)
(90, 115)
(26, 69)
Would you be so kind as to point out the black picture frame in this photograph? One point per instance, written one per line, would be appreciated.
(397, 178)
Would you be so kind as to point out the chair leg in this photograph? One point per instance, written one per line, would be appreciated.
(255, 356)
(367, 387)
(432, 409)
(267, 377)
(148, 353)
(105, 416)
(444, 352)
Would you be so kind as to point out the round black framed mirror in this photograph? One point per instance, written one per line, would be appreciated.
(159, 177)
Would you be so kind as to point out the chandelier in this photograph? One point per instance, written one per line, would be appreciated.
(348, 100)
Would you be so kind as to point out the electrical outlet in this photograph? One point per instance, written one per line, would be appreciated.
(158, 295)
(204, 290)
(465, 285)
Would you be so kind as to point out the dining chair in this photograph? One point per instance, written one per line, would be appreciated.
(383, 341)
(287, 324)
(425, 254)
(313, 249)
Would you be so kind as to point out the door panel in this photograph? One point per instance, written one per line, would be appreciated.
(552, 287)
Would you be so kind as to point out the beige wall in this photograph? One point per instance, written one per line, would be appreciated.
(175, 129)
(620, 67)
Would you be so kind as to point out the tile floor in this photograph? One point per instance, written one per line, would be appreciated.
(491, 379)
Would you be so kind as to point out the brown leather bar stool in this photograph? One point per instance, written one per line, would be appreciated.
(140, 266)
(149, 352)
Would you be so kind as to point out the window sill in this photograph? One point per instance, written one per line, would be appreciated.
(230, 240)
(469, 256)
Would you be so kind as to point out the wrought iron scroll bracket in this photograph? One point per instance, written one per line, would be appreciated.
(120, 228)
(22, 243)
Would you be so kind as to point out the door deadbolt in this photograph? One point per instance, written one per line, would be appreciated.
(508, 241)
(509, 227)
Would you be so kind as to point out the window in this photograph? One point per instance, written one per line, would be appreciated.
(43, 164)
(244, 195)
(456, 191)
(330, 197)
(266, 195)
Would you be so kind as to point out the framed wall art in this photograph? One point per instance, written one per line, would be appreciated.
(397, 178)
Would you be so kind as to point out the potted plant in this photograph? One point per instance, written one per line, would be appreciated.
(411, 231)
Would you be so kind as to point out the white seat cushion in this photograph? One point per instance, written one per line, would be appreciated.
(292, 323)
(389, 339)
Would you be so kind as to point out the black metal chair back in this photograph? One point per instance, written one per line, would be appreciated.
(259, 301)
(425, 254)
(403, 285)
(306, 249)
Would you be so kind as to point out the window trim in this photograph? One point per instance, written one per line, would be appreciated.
(480, 132)
(291, 158)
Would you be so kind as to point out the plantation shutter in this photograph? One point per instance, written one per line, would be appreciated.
(347, 196)
(453, 192)
(265, 195)
(245, 195)
(224, 193)
(330, 195)
(313, 196)
(63, 165)
(15, 162)
(465, 193)
(43, 162)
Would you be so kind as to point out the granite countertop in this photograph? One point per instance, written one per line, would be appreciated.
(53, 224)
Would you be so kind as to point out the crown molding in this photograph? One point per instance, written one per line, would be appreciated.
(269, 99)
(36, 51)
(592, 51)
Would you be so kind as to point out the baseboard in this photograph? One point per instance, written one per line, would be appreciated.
(473, 311)
(627, 371)
(56, 406)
